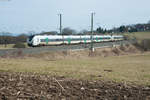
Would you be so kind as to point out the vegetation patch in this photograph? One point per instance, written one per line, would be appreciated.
(19, 45)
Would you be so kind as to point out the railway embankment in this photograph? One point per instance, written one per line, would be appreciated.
(38, 50)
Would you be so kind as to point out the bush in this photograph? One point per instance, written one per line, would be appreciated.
(19, 45)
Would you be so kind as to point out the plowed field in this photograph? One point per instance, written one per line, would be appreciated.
(23, 86)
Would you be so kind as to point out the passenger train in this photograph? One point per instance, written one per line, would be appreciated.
(43, 40)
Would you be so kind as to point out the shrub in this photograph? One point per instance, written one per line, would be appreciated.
(19, 45)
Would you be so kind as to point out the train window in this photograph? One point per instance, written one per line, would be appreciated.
(101, 38)
(31, 37)
(43, 40)
(106, 37)
(117, 37)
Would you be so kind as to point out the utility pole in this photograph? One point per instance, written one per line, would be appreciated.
(92, 18)
(60, 27)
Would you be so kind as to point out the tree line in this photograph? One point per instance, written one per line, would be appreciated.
(100, 30)
(127, 28)
(8, 39)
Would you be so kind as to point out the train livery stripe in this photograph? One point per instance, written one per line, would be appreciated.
(46, 40)
(84, 40)
(96, 39)
(69, 40)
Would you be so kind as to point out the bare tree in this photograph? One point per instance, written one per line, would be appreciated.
(84, 31)
(5, 40)
(50, 33)
(68, 31)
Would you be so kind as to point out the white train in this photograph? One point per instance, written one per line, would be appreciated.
(41, 40)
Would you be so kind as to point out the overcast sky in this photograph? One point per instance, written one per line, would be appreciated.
(19, 16)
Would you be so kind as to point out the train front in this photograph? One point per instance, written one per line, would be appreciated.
(30, 40)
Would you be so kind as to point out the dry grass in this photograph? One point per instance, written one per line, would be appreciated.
(142, 35)
(142, 38)
(139, 35)
(10, 46)
(134, 68)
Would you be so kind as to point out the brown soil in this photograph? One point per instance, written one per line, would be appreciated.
(21, 86)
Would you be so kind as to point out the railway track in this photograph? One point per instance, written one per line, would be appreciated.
(38, 50)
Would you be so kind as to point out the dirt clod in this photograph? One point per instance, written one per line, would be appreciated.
(107, 70)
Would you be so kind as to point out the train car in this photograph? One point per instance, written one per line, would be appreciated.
(41, 40)
(117, 37)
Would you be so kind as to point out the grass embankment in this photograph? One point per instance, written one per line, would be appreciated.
(133, 68)
(143, 39)
(139, 35)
